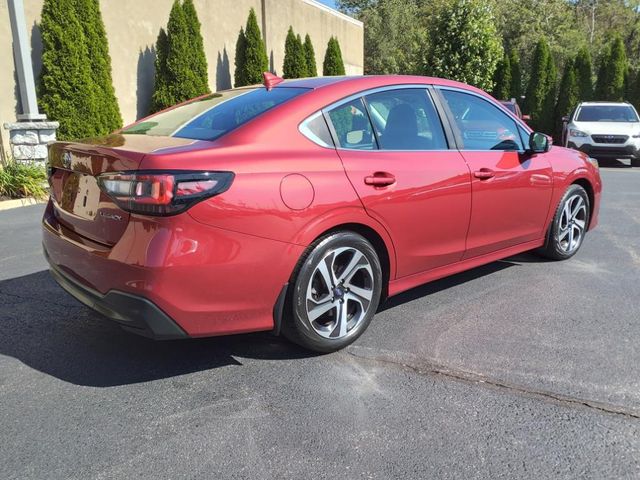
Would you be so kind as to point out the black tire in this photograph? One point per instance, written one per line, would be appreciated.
(307, 278)
(557, 248)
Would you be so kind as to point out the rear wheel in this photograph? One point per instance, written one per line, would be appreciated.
(335, 294)
(569, 225)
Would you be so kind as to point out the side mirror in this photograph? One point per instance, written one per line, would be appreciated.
(539, 143)
(526, 118)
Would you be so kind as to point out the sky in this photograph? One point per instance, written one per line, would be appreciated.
(330, 3)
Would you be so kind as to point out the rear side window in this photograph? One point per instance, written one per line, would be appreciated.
(405, 119)
(352, 126)
(215, 115)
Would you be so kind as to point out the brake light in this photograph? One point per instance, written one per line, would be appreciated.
(162, 193)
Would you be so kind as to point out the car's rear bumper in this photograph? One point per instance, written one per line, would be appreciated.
(205, 280)
(134, 313)
(606, 151)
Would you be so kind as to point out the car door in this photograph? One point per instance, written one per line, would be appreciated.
(405, 174)
(511, 188)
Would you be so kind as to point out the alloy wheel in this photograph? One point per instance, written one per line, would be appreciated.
(573, 222)
(339, 292)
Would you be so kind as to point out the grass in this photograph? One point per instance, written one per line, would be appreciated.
(22, 180)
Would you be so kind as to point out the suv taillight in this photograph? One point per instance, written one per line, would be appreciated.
(162, 193)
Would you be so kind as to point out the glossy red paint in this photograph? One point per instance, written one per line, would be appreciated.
(220, 267)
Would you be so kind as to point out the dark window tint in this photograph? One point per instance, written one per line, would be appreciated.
(607, 113)
(482, 125)
(215, 115)
(406, 120)
(315, 129)
(351, 124)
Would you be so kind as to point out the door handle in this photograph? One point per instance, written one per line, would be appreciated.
(484, 173)
(380, 179)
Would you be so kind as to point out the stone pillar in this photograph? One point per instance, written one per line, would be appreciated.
(29, 139)
(29, 136)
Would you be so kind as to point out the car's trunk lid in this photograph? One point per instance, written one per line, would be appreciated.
(80, 204)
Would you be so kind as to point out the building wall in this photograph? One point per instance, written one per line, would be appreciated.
(132, 28)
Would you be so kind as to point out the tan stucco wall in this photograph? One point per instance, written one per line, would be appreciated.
(132, 27)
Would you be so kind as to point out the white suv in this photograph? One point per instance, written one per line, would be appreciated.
(604, 130)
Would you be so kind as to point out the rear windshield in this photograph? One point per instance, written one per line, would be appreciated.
(607, 113)
(213, 116)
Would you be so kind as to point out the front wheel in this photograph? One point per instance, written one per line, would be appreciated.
(569, 225)
(335, 294)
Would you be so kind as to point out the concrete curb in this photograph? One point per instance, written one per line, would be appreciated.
(20, 202)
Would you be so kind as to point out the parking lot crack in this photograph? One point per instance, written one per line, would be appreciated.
(425, 367)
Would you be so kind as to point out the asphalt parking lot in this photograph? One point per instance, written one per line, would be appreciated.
(520, 369)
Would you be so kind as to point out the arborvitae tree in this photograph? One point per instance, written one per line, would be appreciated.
(255, 54)
(310, 55)
(547, 118)
(109, 118)
(583, 73)
(541, 85)
(515, 89)
(465, 44)
(239, 76)
(66, 88)
(333, 64)
(502, 79)
(634, 91)
(568, 97)
(160, 98)
(198, 59)
(295, 61)
(610, 85)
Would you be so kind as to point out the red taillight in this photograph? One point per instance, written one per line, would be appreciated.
(162, 193)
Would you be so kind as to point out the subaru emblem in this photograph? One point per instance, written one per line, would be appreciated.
(66, 160)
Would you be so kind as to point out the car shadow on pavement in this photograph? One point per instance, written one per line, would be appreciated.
(46, 329)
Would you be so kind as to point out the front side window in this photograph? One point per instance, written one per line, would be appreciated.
(405, 119)
(352, 126)
(211, 117)
(607, 113)
(481, 125)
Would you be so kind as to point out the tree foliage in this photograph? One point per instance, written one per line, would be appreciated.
(502, 79)
(333, 64)
(610, 85)
(255, 53)
(181, 64)
(295, 60)
(310, 56)
(465, 44)
(541, 88)
(95, 36)
(239, 75)
(584, 75)
(515, 88)
(75, 86)
(569, 96)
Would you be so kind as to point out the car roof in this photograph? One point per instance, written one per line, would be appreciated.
(604, 104)
(372, 81)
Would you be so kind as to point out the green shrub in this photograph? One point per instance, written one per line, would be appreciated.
(197, 57)
(515, 90)
(21, 180)
(255, 54)
(295, 61)
(67, 92)
(584, 75)
(568, 98)
(465, 44)
(613, 67)
(109, 117)
(542, 87)
(310, 55)
(333, 64)
(239, 76)
(160, 98)
(502, 79)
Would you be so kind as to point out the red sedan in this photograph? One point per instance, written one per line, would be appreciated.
(297, 207)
